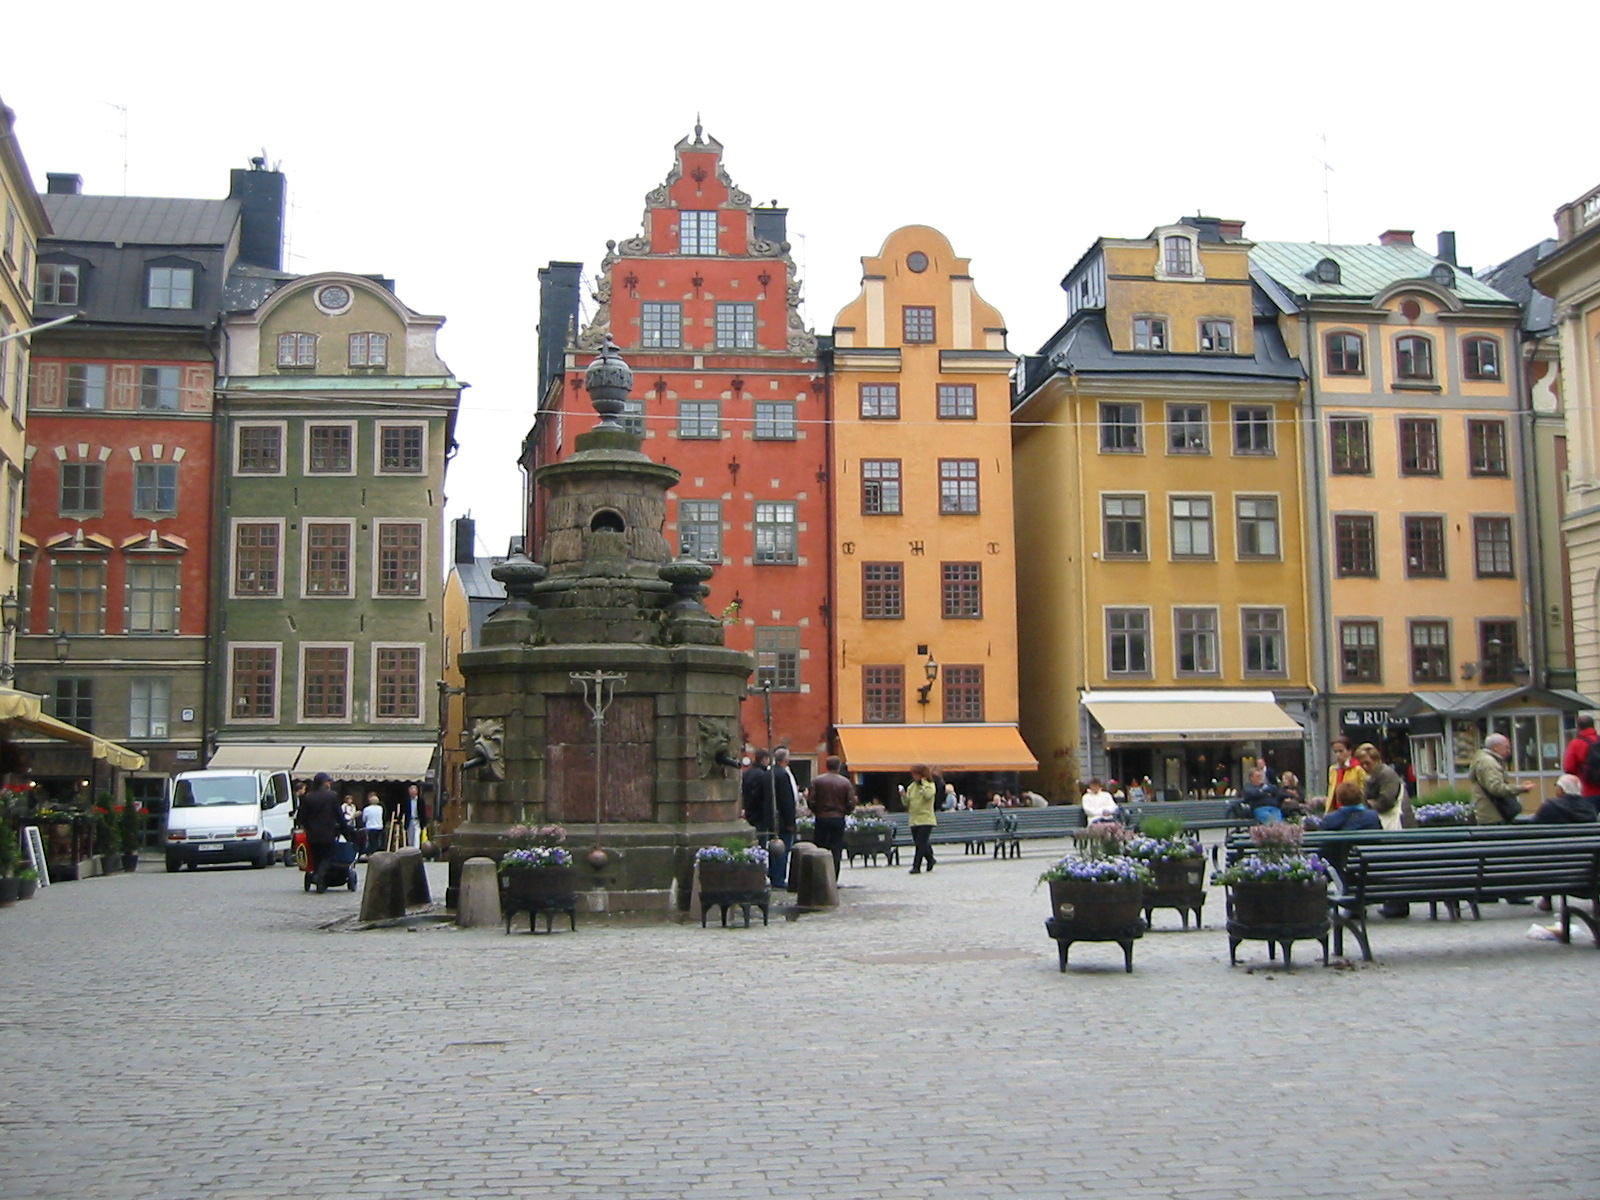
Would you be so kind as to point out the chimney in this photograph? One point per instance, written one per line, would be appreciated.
(1447, 246)
(261, 195)
(466, 539)
(1396, 237)
(558, 313)
(772, 223)
(1210, 228)
(1231, 231)
(60, 183)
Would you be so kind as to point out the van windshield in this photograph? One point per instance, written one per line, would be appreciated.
(198, 793)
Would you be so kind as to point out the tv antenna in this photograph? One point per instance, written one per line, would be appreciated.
(1327, 199)
(123, 109)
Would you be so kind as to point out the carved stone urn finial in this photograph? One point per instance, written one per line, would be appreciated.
(519, 574)
(608, 382)
(685, 574)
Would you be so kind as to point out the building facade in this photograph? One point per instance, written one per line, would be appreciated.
(336, 421)
(117, 537)
(1570, 276)
(1162, 590)
(924, 654)
(1418, 455)
(729, 391)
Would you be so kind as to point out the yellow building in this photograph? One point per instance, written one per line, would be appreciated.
(924, 597)
(1420, 538)
(1163, 598)
(24, 224)
(1570, 275)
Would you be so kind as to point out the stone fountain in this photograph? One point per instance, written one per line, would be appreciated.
(607, 601)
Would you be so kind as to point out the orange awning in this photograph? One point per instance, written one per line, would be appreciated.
(943, 747)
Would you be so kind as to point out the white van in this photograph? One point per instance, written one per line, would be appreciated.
(229, 816)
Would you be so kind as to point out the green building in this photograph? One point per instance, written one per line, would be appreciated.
(336, 420)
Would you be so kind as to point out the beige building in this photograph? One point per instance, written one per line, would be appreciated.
(1571, 276)
(24, 224)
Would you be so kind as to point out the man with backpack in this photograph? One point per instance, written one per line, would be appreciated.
(1581, 758)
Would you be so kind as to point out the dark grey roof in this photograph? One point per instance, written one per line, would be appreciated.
(248, 287)
(1083, 346)
(1511, 277)
(141, 220)
(484, 592)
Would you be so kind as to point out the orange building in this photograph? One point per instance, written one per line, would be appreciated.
(925, 642)
(728, 390)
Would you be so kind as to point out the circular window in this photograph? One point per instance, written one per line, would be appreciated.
(334, 298)
(1410, 310)
(917, 261)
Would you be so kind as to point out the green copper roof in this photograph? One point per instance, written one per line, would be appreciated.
(1364, 271)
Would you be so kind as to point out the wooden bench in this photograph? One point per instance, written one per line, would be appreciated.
(972, 830)
(1195, 814)
(1006, 828)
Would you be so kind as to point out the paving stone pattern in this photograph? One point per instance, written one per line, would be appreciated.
(222, 1034)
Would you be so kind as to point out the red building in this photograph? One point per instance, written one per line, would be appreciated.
(728, 389)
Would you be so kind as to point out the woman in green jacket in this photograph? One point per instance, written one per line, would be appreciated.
(920, 798)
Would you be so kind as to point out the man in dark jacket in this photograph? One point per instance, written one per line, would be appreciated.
(322, 817)
(755, 789)
(832, 799)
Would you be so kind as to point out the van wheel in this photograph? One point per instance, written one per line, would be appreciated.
(263, 857)
(172, 865)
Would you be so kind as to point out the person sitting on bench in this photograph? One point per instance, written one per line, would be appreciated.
(1352, 813)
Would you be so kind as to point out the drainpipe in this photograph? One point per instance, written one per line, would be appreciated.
(1317, 578)
(1086, 768)
(1531, 564)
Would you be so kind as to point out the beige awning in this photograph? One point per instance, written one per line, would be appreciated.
(23, 710)
(1197, 716)
(265, 756)
(369, 761)
(943, 747)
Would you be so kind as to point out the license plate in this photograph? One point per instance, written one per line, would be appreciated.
(212, 846)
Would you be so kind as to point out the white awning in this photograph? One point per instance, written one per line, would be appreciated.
(1146, 717)
(369, 761)
(260, 756)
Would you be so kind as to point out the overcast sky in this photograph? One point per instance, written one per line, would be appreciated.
(457, 148)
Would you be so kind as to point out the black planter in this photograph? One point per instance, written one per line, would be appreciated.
(1093, 911)
(130, 862)
(9, 887)
(1180, 883)
(723, 885)
(539, 891)
(110, 864)
(26, 888)
(1279, 912)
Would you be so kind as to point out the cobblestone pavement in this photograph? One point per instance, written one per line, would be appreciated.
(221, 1034)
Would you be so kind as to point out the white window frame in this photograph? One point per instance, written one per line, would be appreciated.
(283, 448)
(367, 339)
(692, 243)
(305, 559)
(1245, 634)
(349, 649)
(149, 707)
(152, 560)
(372, 683)
(303, 351)
(59, 271)
(277, 683)
(305, 449)
(1173, 553)
(378, 527)
(1239, 552)
(1197, 271)
(1216, 641)
(1149, 640)
(233, 554)
(377, 449)
(96, 385)
(172, 273)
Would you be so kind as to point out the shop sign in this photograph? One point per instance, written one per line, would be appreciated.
(1359, 717)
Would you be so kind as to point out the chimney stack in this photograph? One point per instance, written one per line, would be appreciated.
(1447, 246)
(63, 183)
(772, 223)
(1210, 228)
(558, 313)
(1396, 237)
(466, 539)
(262, 195)
(1232, 231)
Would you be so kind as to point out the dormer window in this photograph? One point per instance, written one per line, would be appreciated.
(169, 287)
(1443, 275)
(1481, 357)
(369, 349)
(58, 283)
(1216, 337)
(297, 349)
(1326, 271)
(1149, 333)
(1178, 255)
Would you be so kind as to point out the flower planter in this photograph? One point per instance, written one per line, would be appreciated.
(130, 862)
(1278, 912)
(869, 843)
(110, 864)
(725, 884)
(539, 890)
(1439, 822)
(10, 885)
(1180, 883)
(26, 888)
(1086, 910)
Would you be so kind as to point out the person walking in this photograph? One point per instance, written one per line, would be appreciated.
(919, 810)
(372, 825)
(1495, 799)
(832, 798)
(1344, 769)
(754, 789)
(323, 820)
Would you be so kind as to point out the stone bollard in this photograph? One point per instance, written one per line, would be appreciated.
(414, 877)
(383, 896)
(811, 877)
(479, 902)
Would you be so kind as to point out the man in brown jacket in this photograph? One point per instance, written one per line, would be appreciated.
(832, 798)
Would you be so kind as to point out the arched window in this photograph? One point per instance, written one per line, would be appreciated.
(1345, 354)
(1443, 275)
(1178, 253)
(1326, 271)
(1413, 357)
(1481, 357)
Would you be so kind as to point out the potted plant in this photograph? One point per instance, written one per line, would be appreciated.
(1446, 806)
(130, 823)
(536, 874)
(736, 866)
(10, 854)
(805, 829)
(108, 839)
(1276, 893)
(27, 883)
(868, 832)
(1097, 893)
(1177, 868)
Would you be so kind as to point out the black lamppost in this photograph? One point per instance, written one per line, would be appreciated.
(931, 670)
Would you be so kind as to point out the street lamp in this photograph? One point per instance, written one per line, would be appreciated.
(63, 646)
(931, 670)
